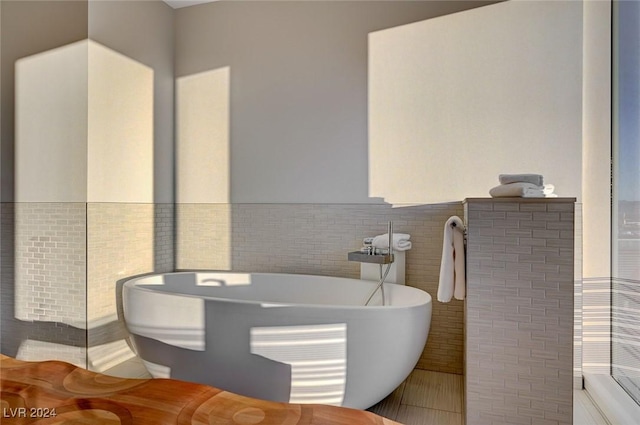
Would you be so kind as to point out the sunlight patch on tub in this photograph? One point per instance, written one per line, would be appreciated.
(317, 355)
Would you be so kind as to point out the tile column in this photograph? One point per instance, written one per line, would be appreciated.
(519, 311)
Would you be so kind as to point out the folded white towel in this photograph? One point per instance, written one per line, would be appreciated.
(401, 241)
(536, 179)
(452, 266)
(548, 189)
(523, 190)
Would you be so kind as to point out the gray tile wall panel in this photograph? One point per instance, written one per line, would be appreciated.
(519, 312)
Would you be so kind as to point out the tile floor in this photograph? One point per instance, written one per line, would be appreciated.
(424, 398)
(434, 398)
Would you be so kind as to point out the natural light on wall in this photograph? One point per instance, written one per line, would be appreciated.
(84, 137)
(51, 125)
(203, 168)
(203, 137)
(456, 100)
(85, 126)
(120, 128)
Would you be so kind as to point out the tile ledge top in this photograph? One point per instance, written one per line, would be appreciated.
(519, 200)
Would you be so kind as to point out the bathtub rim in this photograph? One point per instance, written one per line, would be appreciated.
(134, 282)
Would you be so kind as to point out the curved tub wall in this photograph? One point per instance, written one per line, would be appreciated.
(177, 321)
(330, 353)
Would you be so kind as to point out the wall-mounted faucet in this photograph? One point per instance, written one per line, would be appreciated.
(370, 256)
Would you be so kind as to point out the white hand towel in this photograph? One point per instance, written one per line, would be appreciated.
(523, 190)
(536, 179)
(452, 266)
(459, 264)
(401, 241)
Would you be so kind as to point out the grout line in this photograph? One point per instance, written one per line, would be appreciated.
(402, 391)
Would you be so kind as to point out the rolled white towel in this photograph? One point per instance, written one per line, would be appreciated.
(523, 190)
(401, 241)
(535, 179)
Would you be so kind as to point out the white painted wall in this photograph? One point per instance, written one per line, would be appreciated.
(29, 27)
(2, 161)
(51, 125)
(454, 101)
(84, 126)
(144, 31)
(202, 138)
(298, 91)
(120, 128)
(596, 171)
(597, 127)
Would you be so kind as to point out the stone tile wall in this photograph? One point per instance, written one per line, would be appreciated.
(120, 244)
(315, 239)
(60, 267)
(164, 238)
(50, 281)
(519, 311)
(124, 240)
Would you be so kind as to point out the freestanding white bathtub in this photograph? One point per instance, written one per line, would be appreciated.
(280, 337)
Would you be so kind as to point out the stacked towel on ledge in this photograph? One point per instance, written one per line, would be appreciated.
(523, 190)
(522, 186)
(401, 241)
(535, 179)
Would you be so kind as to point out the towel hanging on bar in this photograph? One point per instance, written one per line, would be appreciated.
(452, 266)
